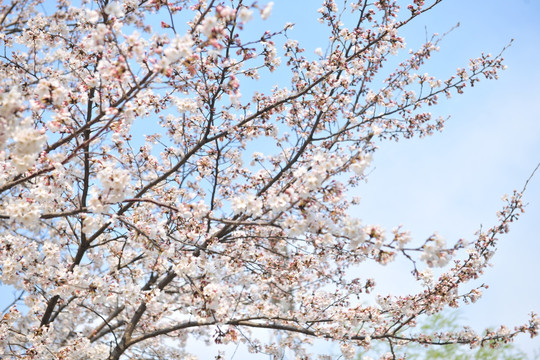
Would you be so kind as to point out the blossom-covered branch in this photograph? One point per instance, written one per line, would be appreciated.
(157, 185)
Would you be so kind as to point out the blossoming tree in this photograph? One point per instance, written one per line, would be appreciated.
(231, 214)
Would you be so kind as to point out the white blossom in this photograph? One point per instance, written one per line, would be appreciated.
(28, 142)
(92, 16)
(25, 212)
(245, 14)
(180, 48)
(267, 11)
(209, 23)
(114, 181)
(360, 164)
(115, 9)
(434, 253)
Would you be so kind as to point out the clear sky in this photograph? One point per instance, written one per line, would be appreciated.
(452, 182)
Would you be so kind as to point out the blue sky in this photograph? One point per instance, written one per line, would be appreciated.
(452, 182)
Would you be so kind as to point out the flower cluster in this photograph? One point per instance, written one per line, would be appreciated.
(434, 253)
(27, 144)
